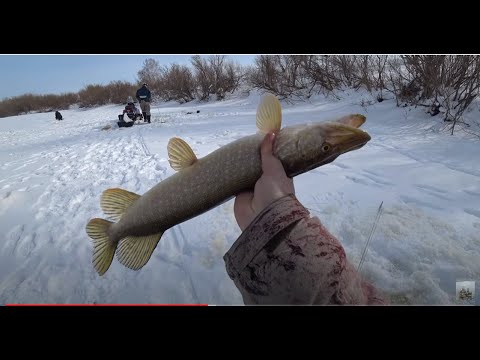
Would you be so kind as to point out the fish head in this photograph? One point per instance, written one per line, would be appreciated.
(305, 147)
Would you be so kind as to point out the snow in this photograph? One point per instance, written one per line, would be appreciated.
(52, 174)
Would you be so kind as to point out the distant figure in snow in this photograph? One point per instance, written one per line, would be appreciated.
(58, 116)
(144, 96)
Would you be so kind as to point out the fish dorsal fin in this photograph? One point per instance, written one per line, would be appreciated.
(115, 201)
(355, 120)
(180, 153)
(269, 114)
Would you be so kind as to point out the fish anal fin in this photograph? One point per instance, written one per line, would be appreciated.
(135, 251)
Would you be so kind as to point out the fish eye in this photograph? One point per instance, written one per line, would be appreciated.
(326, 147)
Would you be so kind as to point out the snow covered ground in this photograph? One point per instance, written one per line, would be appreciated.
(53, 172)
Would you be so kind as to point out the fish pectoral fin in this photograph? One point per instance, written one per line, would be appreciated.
(355, 120)
(135, 251)
(115, 201)
(103, 247)
(180, 153)
(269, 114)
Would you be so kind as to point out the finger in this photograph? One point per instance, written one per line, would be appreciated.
(243, 199)
(242, 208)
(270, 164)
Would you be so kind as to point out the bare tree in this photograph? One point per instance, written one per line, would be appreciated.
(345, 65)
(450, 83)
(216, 63)
(379, 63)
(459, 87)
(235, 74)
(178, 83)
(264, 74)
(283, 75)
(394, 77)
(151, 73)
(204, 76)
(320, 73)
(216, 76)
(445, 84)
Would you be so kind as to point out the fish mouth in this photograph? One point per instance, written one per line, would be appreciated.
(344, 138)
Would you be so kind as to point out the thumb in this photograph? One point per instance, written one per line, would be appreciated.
(270, 164)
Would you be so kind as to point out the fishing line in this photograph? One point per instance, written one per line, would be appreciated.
(379, 212)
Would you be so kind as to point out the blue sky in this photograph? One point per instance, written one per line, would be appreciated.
(56, 74)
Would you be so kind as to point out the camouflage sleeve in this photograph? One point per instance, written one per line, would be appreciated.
(287, 257)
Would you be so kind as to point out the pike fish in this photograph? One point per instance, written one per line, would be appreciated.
(200, 184)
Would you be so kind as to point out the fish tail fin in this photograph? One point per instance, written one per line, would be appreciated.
(103, 247)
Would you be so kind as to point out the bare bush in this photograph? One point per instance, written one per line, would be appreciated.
(379, 76)
(36, 103)
(178, 83)
(282, 75)
(323, 73)
(446, 84)
(120, 90)
(234, 76)
(363, 72)
(93, 95)
(426, 71)
(395, 80)
(16, 105)
(216, 76)
(304, 75)
(264, 74)
(459, 86)
(345, 65)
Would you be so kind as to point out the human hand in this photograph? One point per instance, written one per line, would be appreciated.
(272, 185)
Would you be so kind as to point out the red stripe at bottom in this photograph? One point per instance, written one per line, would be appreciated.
(106, 304)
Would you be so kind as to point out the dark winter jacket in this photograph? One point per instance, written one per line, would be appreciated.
(130, 108)
(143, 94)
(287, 257)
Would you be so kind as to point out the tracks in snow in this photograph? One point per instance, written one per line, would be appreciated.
(74, 175)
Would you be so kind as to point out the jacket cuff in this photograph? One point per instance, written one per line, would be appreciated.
(272, 220)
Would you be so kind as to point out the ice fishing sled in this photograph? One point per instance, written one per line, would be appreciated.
(122, 123)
